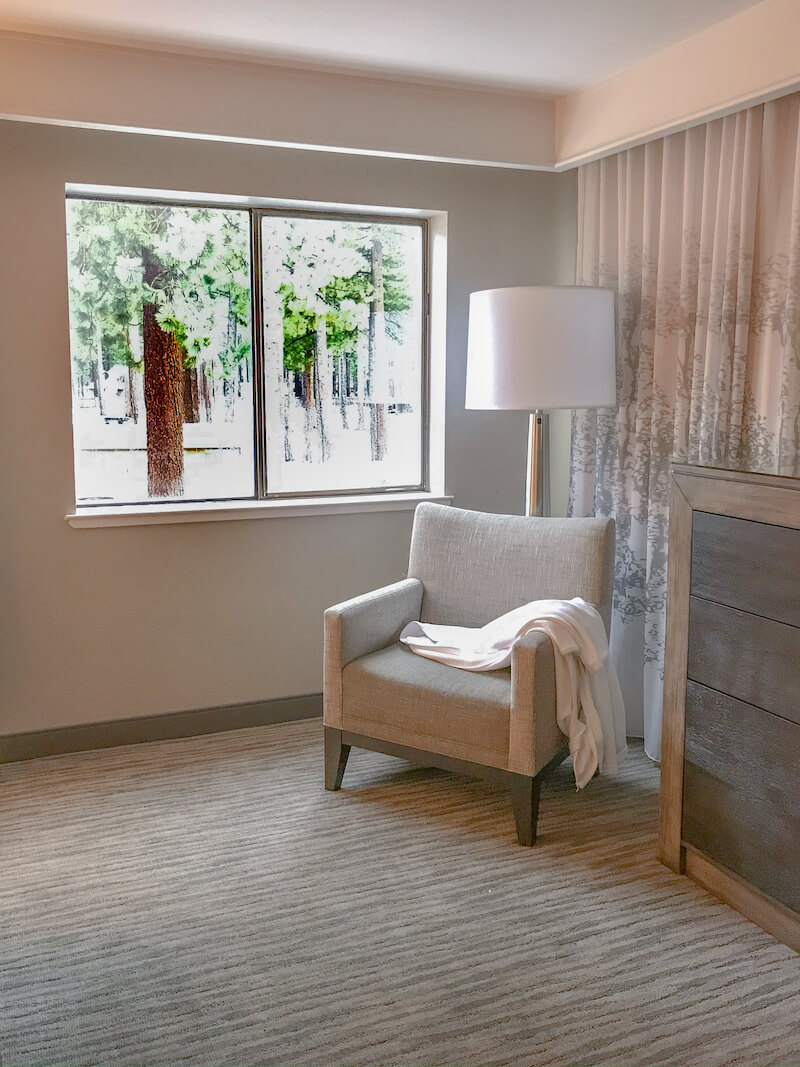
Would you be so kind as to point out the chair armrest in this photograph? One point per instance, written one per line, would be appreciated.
(372, 620)
(534, 737)
(362, 625)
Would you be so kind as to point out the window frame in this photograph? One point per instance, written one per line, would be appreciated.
(256, 210)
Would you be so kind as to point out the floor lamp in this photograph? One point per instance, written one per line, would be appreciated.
(535, 348)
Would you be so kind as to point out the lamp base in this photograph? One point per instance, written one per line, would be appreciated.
(537, 497)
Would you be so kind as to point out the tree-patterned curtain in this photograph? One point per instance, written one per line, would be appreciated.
(699, 234)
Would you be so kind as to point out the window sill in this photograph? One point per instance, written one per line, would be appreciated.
(217, 511)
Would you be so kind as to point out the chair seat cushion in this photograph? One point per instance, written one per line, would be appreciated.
(398, 696)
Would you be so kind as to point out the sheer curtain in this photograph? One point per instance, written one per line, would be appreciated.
(699, 234)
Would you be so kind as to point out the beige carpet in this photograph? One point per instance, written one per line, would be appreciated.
(205, 902)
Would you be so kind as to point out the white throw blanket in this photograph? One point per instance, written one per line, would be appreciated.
(589, 706)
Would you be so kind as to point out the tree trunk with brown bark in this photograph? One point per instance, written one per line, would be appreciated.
(191, 395)
(377, 419)
(204, 389)
(323, 401)
(308, 405)
(130, 396)
(99, 373)
(163, 396)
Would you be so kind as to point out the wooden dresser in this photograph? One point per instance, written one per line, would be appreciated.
(730, 777)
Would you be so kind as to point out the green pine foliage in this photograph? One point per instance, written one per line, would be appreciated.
(202, 285)
(338, 296)
(202, 290)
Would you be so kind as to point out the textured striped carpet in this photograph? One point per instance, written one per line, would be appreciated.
(206, 902)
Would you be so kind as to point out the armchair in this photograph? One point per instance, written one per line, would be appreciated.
(465, 568)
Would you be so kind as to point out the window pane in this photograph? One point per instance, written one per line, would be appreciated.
(343, 323)
(162, 403)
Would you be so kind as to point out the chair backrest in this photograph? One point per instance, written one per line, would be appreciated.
(475, 567)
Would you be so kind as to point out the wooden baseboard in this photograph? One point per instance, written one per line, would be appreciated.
(86, 736)
(769, 914)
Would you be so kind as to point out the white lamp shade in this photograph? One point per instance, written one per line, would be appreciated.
(541, 347)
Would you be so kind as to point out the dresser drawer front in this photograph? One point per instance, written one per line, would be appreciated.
(747, 565)
(749, 749)
(747, 836)
(741, 791)
(745, 656)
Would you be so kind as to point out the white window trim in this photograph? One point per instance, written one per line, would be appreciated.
(222, 510)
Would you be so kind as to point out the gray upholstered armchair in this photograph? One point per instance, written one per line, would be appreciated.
(465, 569)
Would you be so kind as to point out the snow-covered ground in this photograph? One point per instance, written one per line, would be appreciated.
(349, 464)
(111, 457)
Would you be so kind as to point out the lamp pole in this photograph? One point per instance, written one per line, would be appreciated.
(537, 492)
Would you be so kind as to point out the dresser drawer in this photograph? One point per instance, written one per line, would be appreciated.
(741, 791)
(745, 656)
(748, 565)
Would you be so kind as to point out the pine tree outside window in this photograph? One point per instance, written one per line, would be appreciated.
(233, 353)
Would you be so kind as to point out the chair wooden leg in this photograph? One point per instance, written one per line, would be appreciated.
(335, 758)
(525, 801)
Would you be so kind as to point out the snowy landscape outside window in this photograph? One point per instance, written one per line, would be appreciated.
(226, 353)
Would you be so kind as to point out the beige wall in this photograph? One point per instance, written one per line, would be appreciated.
(114, 623)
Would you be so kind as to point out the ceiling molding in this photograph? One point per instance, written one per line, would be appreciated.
(748, 58)
(115, 87)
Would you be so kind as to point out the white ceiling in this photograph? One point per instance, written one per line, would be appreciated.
(549, 46)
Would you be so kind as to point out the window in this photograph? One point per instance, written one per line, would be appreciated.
(224, 352)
